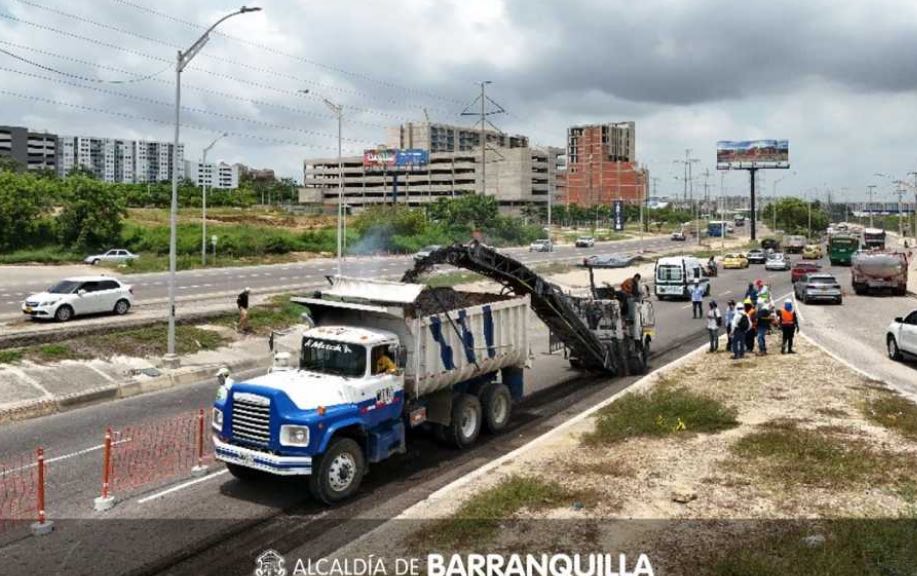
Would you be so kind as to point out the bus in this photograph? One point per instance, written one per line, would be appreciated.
(841, 248)
(873, 238)
(717, 229)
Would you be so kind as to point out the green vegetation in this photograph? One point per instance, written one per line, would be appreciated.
(148, 341)
(276, 314)
(663, 411)
(478, 519)
(850, 548)
(10, 356)
(787, 454)
(793, 216)
(55, 352)
(895, 412)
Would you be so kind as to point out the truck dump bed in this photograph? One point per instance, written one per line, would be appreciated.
(449, 336)
(879, 269)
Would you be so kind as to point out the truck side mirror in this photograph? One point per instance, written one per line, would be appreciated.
(899, 320)
(222, 376)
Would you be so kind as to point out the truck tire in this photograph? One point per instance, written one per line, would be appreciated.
(892, 346)
(244, 473)
(466, 421)
(497, 403)
(336, 474)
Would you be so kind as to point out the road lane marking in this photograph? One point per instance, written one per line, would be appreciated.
(181, 486)
(64, 457)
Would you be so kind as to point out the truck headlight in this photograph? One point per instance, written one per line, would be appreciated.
(291, 435)
(217, 420)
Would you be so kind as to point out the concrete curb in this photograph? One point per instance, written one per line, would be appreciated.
(130, 387)
(447, 490)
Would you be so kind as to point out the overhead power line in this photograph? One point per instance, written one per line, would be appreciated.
(196, 68)
(328, 67)
(83, 78)
(185, 108)
(167, 122)
(261, 69)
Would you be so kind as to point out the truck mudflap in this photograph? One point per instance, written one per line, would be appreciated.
(257, 460)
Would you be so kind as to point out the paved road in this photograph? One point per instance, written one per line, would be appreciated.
(856, 330)
(219, 508)
(203, 284)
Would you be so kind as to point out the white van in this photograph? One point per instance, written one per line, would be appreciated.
(675, 276)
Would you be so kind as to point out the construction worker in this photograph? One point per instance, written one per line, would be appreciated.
(764, 317)
(242, 304)
(714, 321)
(384, 364)
(730, 316)
(740, 326)
(751, 293)
(789, 325)
(751, 313)
(631, 286)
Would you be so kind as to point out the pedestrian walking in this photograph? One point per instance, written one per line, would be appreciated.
(697, 300)
(740, 326)
(764, 317)
(714, 321)
(242, 303)
(789, 326)
(730, 316)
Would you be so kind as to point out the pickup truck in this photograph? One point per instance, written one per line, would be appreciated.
(379, 359)
(901, 337)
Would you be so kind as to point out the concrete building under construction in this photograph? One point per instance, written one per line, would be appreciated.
(602, 165)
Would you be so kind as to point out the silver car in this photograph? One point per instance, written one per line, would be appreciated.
(814, 287)
(777, 261)
(543, 245)
(116, 255)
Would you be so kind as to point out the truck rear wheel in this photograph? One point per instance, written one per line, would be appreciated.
(336, 474)
(498, 405)
(466, 421)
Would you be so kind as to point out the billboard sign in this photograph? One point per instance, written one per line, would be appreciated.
(745, 154)
(618, 214)
(392, 157)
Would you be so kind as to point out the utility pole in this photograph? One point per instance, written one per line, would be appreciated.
(869, 192)
(170, 360)
(204, 199)
(900, 192)
(483, 99)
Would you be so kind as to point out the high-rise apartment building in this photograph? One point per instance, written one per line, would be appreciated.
(602, 165)
(220, 175)
(34, 150)
(112, 160)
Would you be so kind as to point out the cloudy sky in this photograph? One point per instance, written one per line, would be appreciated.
(838, 78)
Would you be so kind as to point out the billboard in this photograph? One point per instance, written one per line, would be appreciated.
(741, 155)
(394, 158)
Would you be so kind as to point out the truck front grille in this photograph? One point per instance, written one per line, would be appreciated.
(251, 418)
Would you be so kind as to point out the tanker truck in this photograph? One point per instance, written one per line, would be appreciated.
(877, 270)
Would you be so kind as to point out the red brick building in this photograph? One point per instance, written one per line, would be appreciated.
(601, 165)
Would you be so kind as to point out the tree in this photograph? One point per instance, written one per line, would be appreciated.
(92, 214)
(9, 164)
(24, 204)
(793, 216)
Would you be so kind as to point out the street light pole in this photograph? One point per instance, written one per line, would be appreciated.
(869, 191)
(170, 360)
(204, 199)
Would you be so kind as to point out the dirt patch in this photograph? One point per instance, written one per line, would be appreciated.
(438, 300)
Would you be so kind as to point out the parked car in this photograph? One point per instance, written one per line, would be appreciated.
(777, 261)
(426, 251)
(585, 242)
(901, 337)
(678, 236)
(78, 296)
(813, 252)
(115, 255)
(756, 256)
(733, 261)
(609, 261)
(800, 269)
(818, 286)
(541, 245)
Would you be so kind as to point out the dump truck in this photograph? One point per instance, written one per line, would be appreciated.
(794, 244)
(879, 270)
(380, 357)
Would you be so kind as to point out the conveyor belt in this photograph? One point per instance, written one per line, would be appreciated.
(548, 301)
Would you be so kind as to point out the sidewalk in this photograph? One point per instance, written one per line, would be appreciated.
(29, 389)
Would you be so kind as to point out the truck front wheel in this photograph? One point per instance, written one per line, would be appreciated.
(466, 421)
(336, 474)
(498, 405)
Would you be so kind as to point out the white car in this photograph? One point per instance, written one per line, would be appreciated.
(777, 261)
(117, 256)
(543, 245)
(901, 337)
(585, 242)
(78, 296)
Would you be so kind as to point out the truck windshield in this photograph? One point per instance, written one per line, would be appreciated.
(668, 274)
(330, 357)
